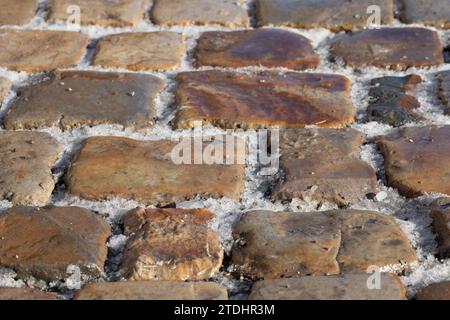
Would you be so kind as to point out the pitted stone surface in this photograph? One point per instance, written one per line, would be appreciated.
(417, 160)
(396, 48)
(44, 242)
(117, 13)
(40, 50)
(26, 160)
(86, 98)
(229, 13)
(323, 165)
(266, 47)
(336, 15)
(146, 51)
(145, 171)
(170, 244)
(152, 290)
(236, 100)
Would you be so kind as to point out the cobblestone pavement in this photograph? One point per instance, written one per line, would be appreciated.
(95, 98)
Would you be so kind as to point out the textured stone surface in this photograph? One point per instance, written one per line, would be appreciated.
(444, 90)
(137, 51)
(437, 291)
(392, 102)
(417, 160)
(40, 50)
(230, 100)
(25, 294)
(5, 85)
(43, 242)
(435, 13)
(280, 244)
(345, 287)
(332, 14)
(26, 159)
(170, 244)
(266, 47)
(230, 13)
(371, 239)
(440, 212)
(152, 290)
(323, 165)
(15, 12)
(117, 13)
(144, 171)
(396, 48)
(277, 245)
(89, 98)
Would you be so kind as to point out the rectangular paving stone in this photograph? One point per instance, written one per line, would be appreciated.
(26, 160)
(152, 290)
(444, 90)
(40, 50)
(14, 12)
(148, 51)
(86, 98)
(260, 47)
(435, 291)
(343, 287)
(396, 48)
(170, 244)
(238, 100)
(146, 171)
(282, 244)
(270, 245)
(440, 212)
(229, 13)
(392, 101)
(5, 85)
(25, 294)
(323, 165)
(336, 15)
(44, 242)
(417, 160)
(117, 13)
(434, 13)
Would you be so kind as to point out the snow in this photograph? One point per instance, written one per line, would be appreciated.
(411, 214)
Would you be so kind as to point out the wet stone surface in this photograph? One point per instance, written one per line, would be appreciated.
(392, 100)
(395, 48)
(233, 100)
(74, 98)
(261, 47)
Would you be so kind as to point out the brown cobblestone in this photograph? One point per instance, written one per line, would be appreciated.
(90, 98)
(147, 51)
(395, 48)
(25, 294)
(444, 90)
(119, 13)
(417, 160)
(170, 244)
(232, 100)
(323, 165)
(43, 242)
(440, 212)
(144, 171)
(25, 167)
(345, 287)
(152, 290)
(392, 100)
(273, 245)
(229, 13)
(435, 13)
(336, 15)
(266, 47)
(15, 12)
(436, 291)
(40, 50)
